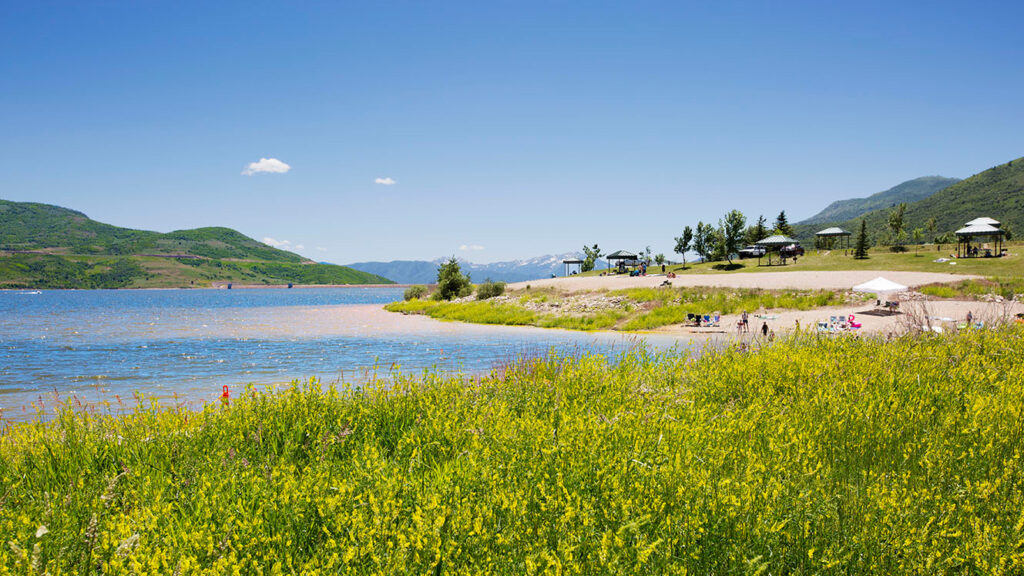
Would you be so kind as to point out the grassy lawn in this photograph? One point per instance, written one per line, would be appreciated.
(832, 456)
(879, 259)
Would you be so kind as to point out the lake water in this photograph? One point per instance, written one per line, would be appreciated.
(188, 343)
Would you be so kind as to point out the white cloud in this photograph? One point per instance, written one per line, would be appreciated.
(282, 244)
(321, 248)
(299, 247)
(471, 247)
(267, 165)
(389, 181)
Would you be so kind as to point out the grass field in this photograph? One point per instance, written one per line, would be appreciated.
(880, 258)
(832, 456)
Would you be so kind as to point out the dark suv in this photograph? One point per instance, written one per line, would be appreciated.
(791, 250)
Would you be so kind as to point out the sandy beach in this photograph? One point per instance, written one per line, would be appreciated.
(914, 315)
(916, 312)
(801, 279)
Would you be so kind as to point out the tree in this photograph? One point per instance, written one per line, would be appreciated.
(451, 282)
(683, 243)
(782, 225)
(647, 258)
(758, 231)
(592, 254)
(896, 222)
(860, 252)
(731, 233)
(703, 240)
(918, 238)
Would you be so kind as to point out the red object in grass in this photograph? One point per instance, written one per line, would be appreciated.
(225, 394)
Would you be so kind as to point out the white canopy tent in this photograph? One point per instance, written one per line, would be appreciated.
(880, 286)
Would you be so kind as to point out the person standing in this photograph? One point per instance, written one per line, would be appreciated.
(764, 329)
(746, 321)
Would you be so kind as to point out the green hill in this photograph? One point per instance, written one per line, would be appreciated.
(997, 192)
(909, 191)
(45, 246)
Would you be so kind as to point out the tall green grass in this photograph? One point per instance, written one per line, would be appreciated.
(477, 311)
(833, 456)
(1006, 287)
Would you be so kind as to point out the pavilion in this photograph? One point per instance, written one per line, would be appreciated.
(570, 262)
(774, 244)
(625, 258)
(985, 228)
(829, 234)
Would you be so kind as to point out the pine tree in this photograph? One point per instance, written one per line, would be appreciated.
(592, 254)
(861, 251)
(451, 282)
(760, 230)
(782, 225)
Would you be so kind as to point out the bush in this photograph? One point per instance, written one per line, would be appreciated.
(415, 292)
(489, 290)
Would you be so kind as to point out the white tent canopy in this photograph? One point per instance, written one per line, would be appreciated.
(879, 286)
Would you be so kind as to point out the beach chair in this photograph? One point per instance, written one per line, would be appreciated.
(718, 318)
(824, 327)
(707, 319)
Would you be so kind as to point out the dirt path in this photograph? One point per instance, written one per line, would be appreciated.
(802, 279)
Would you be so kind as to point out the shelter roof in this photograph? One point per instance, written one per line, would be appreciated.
(980, 230)
(777, 240)
(834, 231)
(983, 220)
(621, 255)
(572, 261)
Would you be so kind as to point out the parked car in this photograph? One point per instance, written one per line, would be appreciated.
(752, 251)
(791, 250)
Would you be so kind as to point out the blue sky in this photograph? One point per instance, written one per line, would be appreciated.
(509, 129)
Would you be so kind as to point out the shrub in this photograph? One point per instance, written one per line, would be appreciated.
(489, 290)
(415, 292)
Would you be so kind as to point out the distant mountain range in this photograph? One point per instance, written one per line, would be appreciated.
(997, 193)
(46, 246)
(425, 272)
(909, 191)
